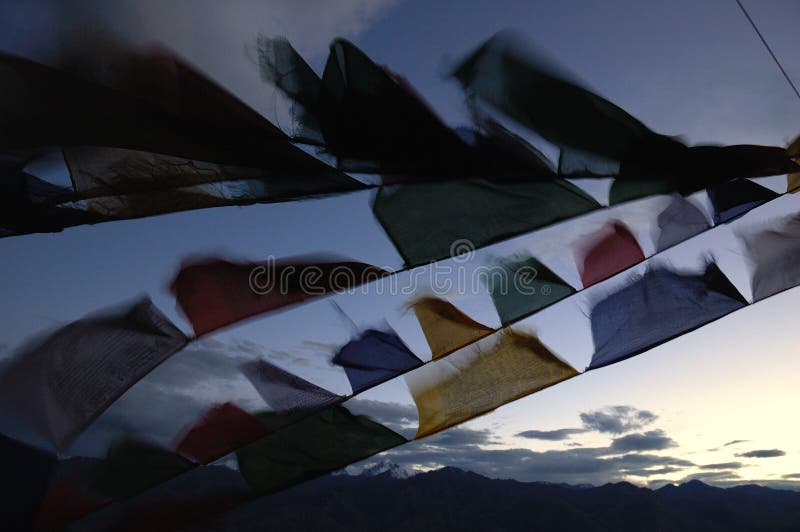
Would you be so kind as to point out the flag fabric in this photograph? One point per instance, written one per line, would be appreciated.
(372, 120)
(63, 383)
(131, 467)
(525, 286)
(471, 382)
(623, 190)
(214, 292)
(425, 221)
(320, 443)
(594, 132)
(221, 430)
(774, 255)
(733, 199)
(607, 252)
(446, 328)
(680, 221)
(373, 357)
(656, 307)
(284, 391)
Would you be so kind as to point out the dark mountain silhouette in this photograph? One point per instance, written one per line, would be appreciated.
(452, 499)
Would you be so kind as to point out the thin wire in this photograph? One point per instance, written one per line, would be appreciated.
(774, 58)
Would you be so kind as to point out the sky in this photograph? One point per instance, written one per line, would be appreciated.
(717, 404)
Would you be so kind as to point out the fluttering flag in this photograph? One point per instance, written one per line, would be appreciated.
(793, 178)
(656, 307)
(471, 382)
(446, 328)
(372, 120)
(793, 183)
(221, 430)
(284, 391)
(678, 222)
(156, 103)
(608, 251)
(373, 357)
(595, 135)
(629, 189)
(774, 255)
(733, 199)
(320, 443)
(62, 383)
(131, 467)
(424, 221)
(214, 292)
(525, 286)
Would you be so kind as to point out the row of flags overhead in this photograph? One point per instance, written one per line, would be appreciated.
(149, 135)
(451, 389)
(158, 137)
(215, 293)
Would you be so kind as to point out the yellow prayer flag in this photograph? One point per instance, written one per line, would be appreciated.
(446, 328)
(501, 369)
(793, 183)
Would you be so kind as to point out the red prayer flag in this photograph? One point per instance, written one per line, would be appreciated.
(215, 292)
(221, 430)
(609, 251)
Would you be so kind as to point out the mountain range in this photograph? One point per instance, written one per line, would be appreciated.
(452, 499)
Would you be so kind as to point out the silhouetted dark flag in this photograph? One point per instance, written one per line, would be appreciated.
(424, 221)
(598, 138)
(373, 357)
(132, 466)
(734, 199)
(215, 292)
(372, 120)
(608, 251)
(319, 444)
(656, 307)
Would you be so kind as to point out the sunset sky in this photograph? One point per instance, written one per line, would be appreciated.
(717, 404)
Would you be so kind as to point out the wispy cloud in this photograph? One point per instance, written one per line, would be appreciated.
(762, 453)
(550, 435)
(617, 419)
(723, 465)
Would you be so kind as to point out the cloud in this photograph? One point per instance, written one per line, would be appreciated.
(550, 435)
(723, 465)
(595, 465)
(762, 453)
(617, 419)
(713, 476)
(653, 440)
(734, 442)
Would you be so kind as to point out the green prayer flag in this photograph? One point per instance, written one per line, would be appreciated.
(425, 221)
(320, 443)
